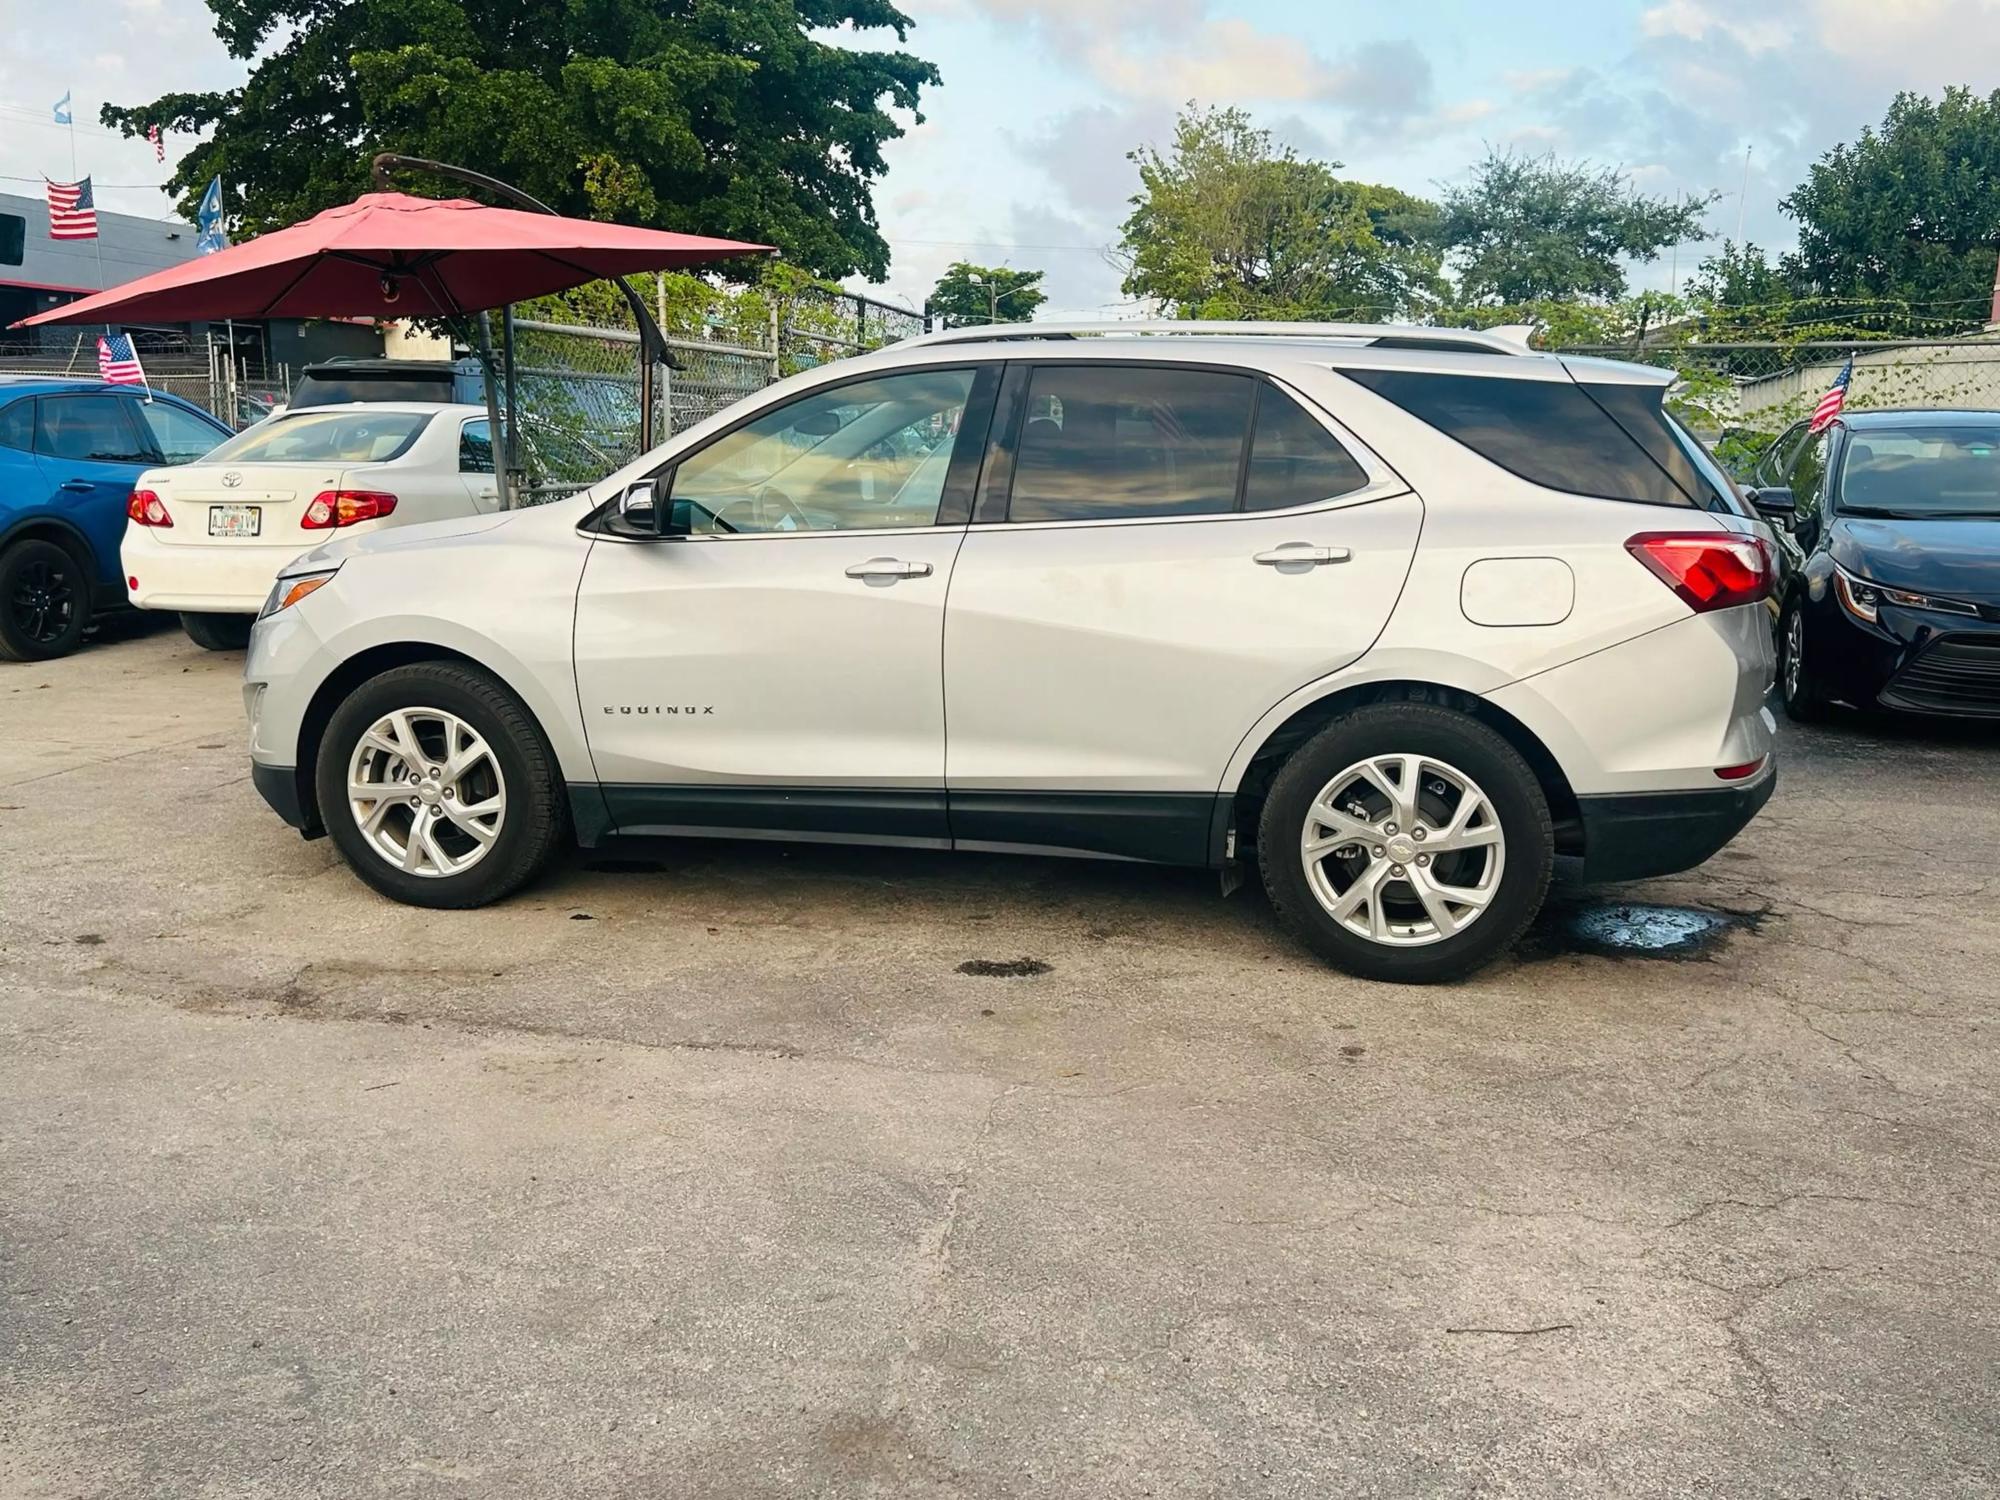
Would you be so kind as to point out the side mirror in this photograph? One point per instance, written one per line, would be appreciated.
(638, 509)
(817, 424)
(1772, 501)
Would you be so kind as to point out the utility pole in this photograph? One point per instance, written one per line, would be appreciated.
(1743, 195)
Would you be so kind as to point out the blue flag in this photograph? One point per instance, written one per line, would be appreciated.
(63, 115)
(209, 236)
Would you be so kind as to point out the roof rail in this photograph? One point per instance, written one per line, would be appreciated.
(1509, 340)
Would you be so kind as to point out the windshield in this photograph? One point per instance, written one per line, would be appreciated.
(1923, 472)
(342, 436)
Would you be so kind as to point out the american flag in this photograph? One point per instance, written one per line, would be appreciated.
(72, 211)
(159, 146)
(1831, 403)
(118, 361)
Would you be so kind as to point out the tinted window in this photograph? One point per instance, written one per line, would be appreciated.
(17, 425)
(1724, 496)
(1923, 471)
(475, 448)
(88, 427)
(852, 457)
(327, 435)
(1549, 432)
(1294, 460)
(1108, 441)
(181, 436)
(326, 388)
(1777, 458)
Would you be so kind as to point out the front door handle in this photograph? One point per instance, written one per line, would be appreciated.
(880, 570)
(1301, 554)
(78, 486)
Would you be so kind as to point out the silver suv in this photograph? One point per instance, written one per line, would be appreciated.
(1399, 614)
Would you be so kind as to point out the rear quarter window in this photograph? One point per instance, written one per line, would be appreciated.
(1549, 432)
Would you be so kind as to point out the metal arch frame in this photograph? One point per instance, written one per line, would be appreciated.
(652, 343)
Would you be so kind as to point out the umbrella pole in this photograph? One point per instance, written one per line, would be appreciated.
(501, 477)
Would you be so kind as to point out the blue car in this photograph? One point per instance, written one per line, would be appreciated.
(70, 451)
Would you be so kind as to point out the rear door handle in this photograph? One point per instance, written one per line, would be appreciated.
(1301, 554)
(78, 486)
(888, 569)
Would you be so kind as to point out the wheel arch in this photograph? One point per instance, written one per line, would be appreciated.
(367, 663)
(58, 529)
(1246, 801)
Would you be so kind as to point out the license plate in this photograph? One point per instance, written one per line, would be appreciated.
(235, 520)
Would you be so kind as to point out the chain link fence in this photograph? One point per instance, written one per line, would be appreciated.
(200, 373)
(577, 384)
(1740, 396)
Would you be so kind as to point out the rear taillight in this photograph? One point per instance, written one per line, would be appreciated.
(1741, 772)
(147, 509)
(331, 508)
(1708, 569)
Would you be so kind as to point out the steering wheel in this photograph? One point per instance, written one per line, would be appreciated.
(771, 494)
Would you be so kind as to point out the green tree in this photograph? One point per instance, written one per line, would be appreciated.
(729, 117)
(968, 294)
(1229, 225)
(1532, 228)
(1901, 225)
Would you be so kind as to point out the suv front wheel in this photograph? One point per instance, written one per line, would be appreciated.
(438, 787)
(1406, 842)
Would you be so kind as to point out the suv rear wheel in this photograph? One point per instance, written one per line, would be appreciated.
(44, 601)
(438, 787)
(1406, 842)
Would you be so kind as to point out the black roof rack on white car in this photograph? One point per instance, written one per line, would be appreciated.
(1512, 339)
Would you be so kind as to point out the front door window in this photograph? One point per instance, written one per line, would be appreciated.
(862, 456)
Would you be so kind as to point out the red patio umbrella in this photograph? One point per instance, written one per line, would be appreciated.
(390, 255)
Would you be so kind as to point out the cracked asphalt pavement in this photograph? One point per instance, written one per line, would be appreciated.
(705, 1171)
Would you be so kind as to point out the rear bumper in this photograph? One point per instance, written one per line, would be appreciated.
(194, 576)
(1641, 834)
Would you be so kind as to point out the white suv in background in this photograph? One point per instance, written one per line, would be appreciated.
(1401, 614)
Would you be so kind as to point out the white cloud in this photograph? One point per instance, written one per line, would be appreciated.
(1694, 21)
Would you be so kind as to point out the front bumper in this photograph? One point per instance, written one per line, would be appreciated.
(1637, 835)
(1909, 660)
(279, 786)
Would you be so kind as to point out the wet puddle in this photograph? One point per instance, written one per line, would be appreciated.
(1633, 929)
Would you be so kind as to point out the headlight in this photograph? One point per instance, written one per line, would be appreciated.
(291, 588)
(1864, 600)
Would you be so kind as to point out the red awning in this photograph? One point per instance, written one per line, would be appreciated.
(390, 255)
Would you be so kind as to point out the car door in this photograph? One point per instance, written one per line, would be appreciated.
(1161, 553)
(776, 662)
(89, 451)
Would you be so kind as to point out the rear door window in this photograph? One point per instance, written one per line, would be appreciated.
(1113, 442)
(1549, 432)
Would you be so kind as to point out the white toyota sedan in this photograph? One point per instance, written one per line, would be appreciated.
(207, 539)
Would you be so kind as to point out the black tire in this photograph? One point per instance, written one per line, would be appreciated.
(218, 632)
(536, 815)
(1458, 741)
(1798, 689)
(44, 601)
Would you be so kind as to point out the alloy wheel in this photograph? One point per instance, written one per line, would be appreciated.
(1403, 850)
(1795, 652)
(43, 601)
(426, 792)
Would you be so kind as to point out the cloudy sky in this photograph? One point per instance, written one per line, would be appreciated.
(1021, 157)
